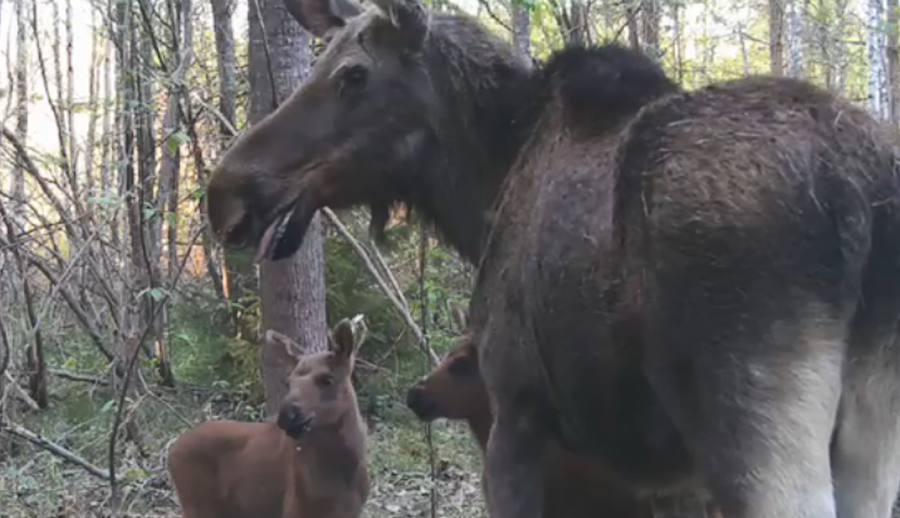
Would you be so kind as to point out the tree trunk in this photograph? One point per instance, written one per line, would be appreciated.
(633, 39)
(795, 38)
(876, 51)
(678, 44)
(18, 178)
(650, 29)
(893, 64)
(521, 28)
(776, 37)
(239, 272)
(70, 101)
(292, 291)
(227, 64)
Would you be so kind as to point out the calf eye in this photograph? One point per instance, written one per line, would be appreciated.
(325, 381)
(354, 78)
(461, 367)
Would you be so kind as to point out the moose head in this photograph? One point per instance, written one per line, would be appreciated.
(398, 94)
(320, 390)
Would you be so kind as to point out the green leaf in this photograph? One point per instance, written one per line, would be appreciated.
(107, 406)
(175, 141)
(172, 219)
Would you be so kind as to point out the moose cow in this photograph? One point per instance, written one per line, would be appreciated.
(310, 463)
(683, 285)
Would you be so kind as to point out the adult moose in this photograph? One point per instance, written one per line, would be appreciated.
(682, 285)
(309, 463)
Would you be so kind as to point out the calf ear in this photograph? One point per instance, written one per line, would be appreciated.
(342, 339)
(319, 17)
(411, 19)
(275, 339)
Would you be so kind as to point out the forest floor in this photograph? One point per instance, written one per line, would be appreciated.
(35, 483)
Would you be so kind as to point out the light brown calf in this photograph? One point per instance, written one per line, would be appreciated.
(574, 487)
(309, 463)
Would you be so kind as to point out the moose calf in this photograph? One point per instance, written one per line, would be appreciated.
(574, 487)
(310, 463)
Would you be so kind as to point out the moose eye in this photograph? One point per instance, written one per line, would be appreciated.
(354, 78)
(461, 367)
(325, 381)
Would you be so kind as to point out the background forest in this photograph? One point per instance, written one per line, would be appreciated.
(122, 323)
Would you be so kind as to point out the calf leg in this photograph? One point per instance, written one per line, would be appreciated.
(757, 409)
(866, 446)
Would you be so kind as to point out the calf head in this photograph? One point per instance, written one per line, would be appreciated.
(350, 135)
(454, 389)
(320, 391)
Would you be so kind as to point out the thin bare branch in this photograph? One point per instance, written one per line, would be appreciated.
(55, 449)
(399, 306)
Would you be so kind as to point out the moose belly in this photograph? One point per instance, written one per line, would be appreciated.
(606, 407)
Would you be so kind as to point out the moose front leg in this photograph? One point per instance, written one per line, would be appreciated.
(513, 464)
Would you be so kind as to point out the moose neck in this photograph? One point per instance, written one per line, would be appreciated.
(488, 102)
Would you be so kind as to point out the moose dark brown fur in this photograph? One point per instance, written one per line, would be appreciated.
(310, 463)
(683, 285)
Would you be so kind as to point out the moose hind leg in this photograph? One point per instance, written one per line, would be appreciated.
(757, 408)
(866, 445)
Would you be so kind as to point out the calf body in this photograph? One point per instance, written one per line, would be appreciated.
(310, 464)
(690, 287)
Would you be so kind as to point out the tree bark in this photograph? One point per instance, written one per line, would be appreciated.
(795, 39)
(292, 291)
(893, 63)
(18, 178)
(521, 28)
(650, 29)
(227, 64)
(776, 37)
(875, 51)
(239, 272)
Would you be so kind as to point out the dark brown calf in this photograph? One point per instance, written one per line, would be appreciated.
(310, 463)
(574, 487)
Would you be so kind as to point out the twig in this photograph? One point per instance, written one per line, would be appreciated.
(217, 114)
(4, 342)
(74, 376)
(52, 447)
(399, 306)
(28, 400)
(423, 314)
(379, 259)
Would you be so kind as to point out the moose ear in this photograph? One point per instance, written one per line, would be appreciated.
(319, 17)
(460, 317)
(411, 19)
(342, 339)
(275, 339)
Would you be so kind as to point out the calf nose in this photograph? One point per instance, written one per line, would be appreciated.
(293, 421)
(419, 402)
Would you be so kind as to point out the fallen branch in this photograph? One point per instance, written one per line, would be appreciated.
(20, 392)
(52, 447)
(74, 376)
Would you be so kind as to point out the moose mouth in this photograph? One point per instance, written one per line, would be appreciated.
(284, 235)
